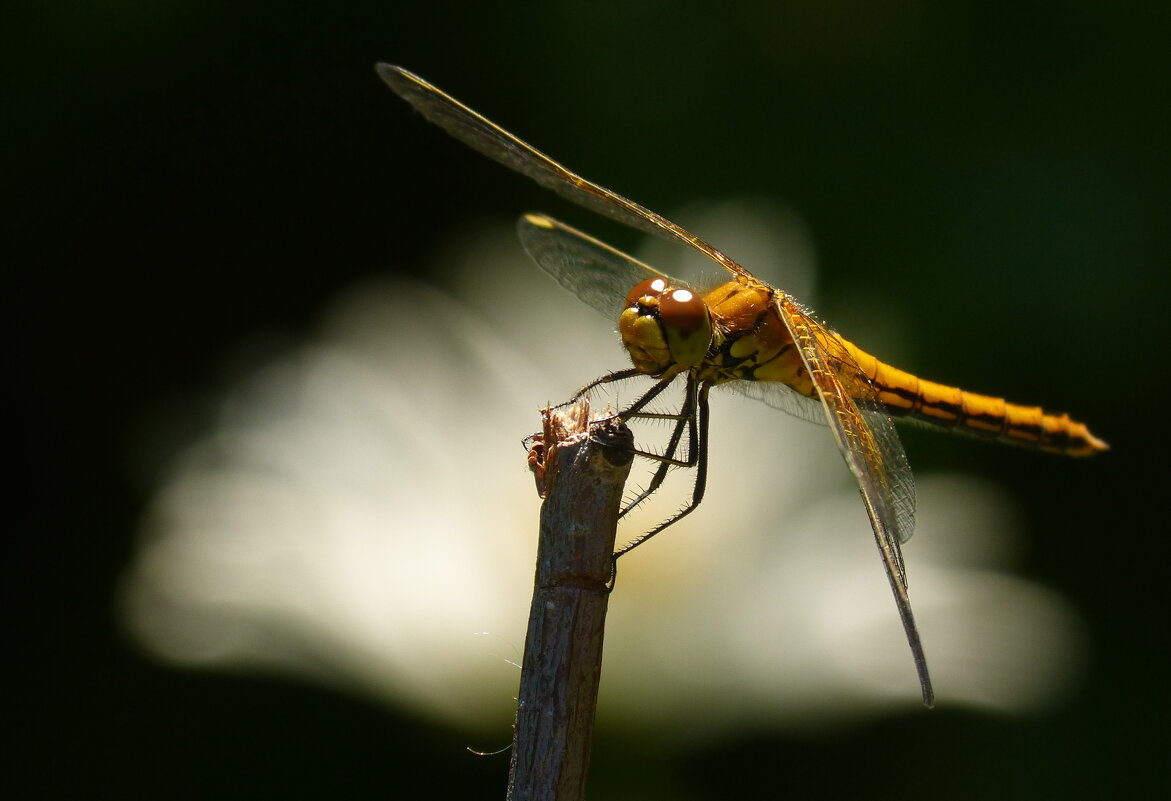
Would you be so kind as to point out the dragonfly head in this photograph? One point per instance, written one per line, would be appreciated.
(664, 328)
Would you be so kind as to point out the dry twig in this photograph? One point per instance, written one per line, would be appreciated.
(581, 475)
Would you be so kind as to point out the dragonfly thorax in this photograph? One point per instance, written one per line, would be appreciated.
(665, 328)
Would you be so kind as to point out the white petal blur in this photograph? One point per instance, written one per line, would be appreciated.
(362, 517)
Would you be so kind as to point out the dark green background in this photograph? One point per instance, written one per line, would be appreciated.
(999, 173)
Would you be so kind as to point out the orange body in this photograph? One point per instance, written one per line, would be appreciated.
(754, 344)
(747, 340)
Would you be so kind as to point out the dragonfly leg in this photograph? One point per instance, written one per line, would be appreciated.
(623, 375)
(667, 460)
(609, 378)
(631, 411)
(700, 445)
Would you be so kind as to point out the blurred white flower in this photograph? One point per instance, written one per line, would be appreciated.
(363, 517)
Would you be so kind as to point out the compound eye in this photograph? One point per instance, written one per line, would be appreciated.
(646, 293)
(687, 325)
(681, 310)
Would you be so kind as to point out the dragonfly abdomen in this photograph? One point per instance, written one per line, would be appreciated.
(907, 395)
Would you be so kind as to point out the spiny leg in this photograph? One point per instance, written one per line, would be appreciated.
(609, 378)
(631, 411)
(695, 413)
(667, 460)
(697, 492)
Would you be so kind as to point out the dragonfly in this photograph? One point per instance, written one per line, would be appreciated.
(749, 336)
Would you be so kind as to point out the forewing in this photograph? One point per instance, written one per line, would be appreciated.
(601, 276)
(491, 140)
(874, 460)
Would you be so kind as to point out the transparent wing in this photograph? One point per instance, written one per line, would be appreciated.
(490, 139)
(780, 396)
(900, 482)
(599, 275)
(891, 466)
(870, 446)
